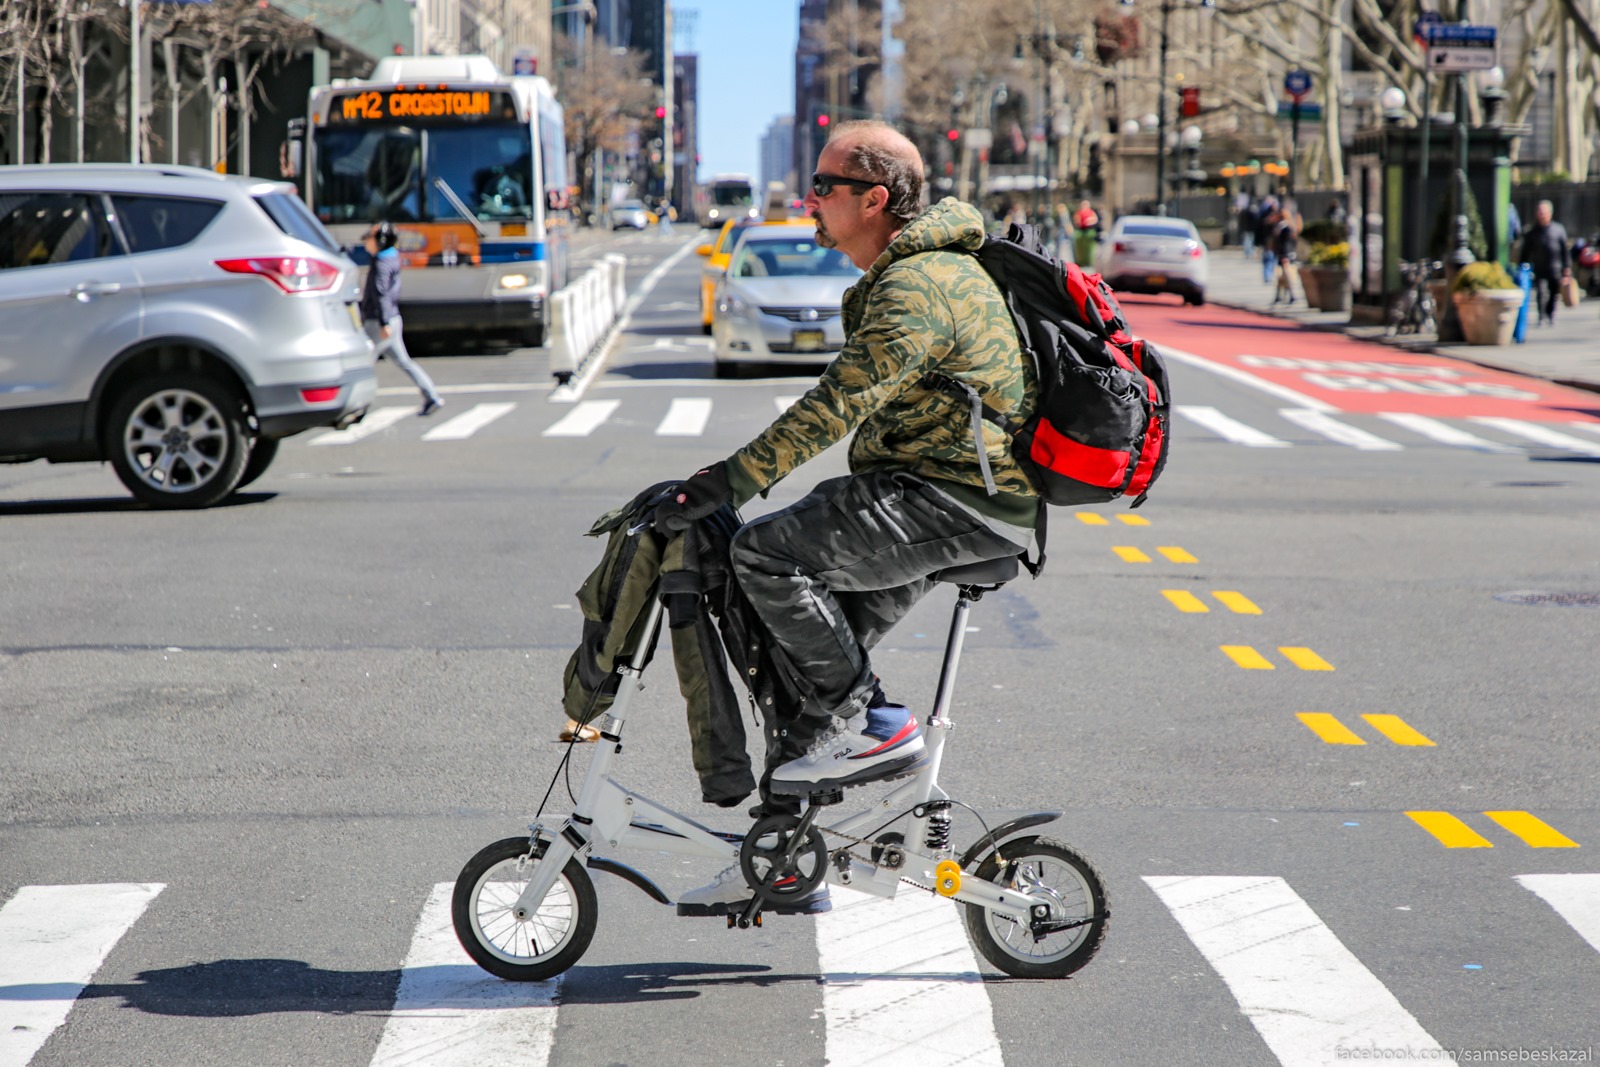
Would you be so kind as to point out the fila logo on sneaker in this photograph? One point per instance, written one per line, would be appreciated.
(842, 753)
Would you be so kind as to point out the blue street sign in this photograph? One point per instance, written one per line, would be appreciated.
(1424, 20)
(1297, 83)
(1456, 47)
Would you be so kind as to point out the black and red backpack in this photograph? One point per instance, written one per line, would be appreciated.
(1100, 429)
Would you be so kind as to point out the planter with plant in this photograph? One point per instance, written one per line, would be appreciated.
(1486, 301)
(1326, 276)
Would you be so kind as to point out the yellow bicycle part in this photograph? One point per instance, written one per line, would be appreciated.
(947, 878)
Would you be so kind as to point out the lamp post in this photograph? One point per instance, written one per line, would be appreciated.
(1450, 323)
(1206, 6)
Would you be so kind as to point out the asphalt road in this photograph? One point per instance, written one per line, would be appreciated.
(268, 731)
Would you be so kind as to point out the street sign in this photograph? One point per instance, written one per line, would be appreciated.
(978, 138)
(1455, 47)
(1311, 113)
(525, 61)
(1297, 83)
(1419, 33)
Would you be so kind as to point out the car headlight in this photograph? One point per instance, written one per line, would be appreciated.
(731, 305)
(513, 281)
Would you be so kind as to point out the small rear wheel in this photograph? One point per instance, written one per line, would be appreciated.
(1053, 874)
(522, 950)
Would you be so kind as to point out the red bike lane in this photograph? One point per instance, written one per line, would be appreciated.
(1333, 373)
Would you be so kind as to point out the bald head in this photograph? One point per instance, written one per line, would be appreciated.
(881, 153)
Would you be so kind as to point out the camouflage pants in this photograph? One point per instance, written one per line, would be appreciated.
(832, 573)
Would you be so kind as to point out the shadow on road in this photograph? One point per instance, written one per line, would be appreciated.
(114, 504)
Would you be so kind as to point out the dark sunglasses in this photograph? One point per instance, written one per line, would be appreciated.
(822, 184)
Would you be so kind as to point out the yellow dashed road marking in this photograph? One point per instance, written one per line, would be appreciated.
(1305, 659)
(1328, 728)
(1089, 518)
(1176, 554)
(1185, 601)
(1535, 831)
(1130, 554)
(1451, 831)
(1397, 730)
(1237, 603)
(1247, 657)
(1133, 520)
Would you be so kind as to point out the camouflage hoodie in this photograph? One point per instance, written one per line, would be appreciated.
(924, 306)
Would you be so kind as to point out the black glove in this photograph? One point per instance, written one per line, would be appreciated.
(694, 499)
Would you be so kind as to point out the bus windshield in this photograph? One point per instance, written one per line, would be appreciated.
(732, 194)
(387, 172)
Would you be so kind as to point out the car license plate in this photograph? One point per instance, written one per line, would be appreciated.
(810, 340)
(1156, 279)
(355, 316)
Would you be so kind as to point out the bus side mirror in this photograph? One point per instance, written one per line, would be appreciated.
(291, 153)
(703, 250)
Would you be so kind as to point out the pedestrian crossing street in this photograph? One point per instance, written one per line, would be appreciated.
(689, 416)
(900, 982)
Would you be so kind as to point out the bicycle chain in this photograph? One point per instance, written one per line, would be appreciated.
(867, 859)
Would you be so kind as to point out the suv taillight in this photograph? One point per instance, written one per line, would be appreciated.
(292, 274)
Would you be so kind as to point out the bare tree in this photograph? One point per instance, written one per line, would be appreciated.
(604, 99)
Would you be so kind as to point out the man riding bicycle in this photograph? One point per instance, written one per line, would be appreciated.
(831, 574)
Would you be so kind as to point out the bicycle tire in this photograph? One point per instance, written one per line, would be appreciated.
(510, 948)
(1081, 896)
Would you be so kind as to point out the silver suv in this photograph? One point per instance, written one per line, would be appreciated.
(172, 321)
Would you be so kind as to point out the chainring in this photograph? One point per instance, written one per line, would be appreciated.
(766, 863)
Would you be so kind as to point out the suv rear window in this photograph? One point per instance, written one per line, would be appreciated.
(38, 229)
(296, 220)
(1154, 229)
(152, 223)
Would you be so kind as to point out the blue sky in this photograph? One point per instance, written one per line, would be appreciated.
(746, 50)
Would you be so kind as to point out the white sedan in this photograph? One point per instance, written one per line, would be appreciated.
(778, 301)
(1155, 254)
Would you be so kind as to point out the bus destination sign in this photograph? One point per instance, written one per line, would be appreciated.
(421, 105)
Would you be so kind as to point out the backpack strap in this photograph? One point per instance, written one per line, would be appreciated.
(943, 383)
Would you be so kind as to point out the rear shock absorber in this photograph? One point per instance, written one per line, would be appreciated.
(937, 838)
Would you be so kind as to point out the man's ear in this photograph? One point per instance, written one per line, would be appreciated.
(877, 206)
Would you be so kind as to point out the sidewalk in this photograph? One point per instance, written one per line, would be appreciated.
(1568, 352)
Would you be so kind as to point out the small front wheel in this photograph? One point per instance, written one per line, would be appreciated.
(1052, 874)
(522, 950)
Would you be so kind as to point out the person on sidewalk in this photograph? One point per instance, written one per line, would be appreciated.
(830, 575)
(380, 310)
(1248, 221)
(1085, 235)
(1285, 245)
(1546, 249)
(1266, 221)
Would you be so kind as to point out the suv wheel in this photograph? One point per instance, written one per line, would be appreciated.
(263, 450)
(178, 441)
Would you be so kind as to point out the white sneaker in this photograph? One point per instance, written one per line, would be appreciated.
(881, 744)
(728, 893)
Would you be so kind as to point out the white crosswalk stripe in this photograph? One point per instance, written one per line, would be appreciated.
(1339, 432)
(449, 1012)
(583, 419)
(1305, 993)
(1576, 898)
(901, 987)
(686, 417)
(1443, 432)
(468, 422)
(1540, 433)
(1230, 429)
(375, 422)
(53, 938)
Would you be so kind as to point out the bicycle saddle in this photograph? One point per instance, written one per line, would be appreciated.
(990, 572)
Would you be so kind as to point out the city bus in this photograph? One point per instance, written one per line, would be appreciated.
(471, 167)
(729, 196)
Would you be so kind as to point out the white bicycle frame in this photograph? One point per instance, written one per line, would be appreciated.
(611, 816)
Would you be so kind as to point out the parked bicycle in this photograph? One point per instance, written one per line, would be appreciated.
(525, 909)
(1414, 310)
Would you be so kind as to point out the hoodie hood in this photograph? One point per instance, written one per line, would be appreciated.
(949, 223)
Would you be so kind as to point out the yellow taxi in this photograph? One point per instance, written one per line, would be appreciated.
(720, 250)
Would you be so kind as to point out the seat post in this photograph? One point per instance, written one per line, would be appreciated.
(952, 654)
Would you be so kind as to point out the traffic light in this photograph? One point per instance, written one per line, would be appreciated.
(661, 112)
(822, 120)
(954, 135)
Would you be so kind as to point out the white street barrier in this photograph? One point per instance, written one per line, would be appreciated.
(582, 315)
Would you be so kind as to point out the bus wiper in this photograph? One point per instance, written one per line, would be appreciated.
(455, 202)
